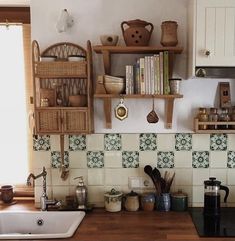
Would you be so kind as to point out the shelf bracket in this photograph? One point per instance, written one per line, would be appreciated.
(169, 112)
(107, 61)
(108, 112)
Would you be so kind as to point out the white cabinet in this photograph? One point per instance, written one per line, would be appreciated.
(211, 33)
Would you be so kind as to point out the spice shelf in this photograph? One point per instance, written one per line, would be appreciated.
(198, 123)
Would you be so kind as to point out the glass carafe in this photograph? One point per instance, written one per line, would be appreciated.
(212, 189)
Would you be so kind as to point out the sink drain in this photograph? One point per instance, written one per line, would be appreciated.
(40, 222)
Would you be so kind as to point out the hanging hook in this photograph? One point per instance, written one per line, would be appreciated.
(7, 24)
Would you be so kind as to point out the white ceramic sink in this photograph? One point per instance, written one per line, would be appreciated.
(38, 224)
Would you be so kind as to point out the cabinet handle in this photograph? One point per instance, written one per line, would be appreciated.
(207, 53)
(61, 120)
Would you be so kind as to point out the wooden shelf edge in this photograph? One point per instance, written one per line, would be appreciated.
(136, 49)
(103, 96)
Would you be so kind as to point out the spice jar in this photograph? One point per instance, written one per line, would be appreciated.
(44, 102)
(224, 116)
(213, 117)
(203, 117)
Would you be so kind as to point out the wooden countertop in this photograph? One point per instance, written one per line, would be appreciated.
(100, 225)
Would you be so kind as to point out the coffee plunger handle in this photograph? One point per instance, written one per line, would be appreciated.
(226, 189)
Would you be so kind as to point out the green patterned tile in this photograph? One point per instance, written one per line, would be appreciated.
(218, 142)
(77, 142)
(165, 159)
(200, 159)
(183, 142)
(41, 143)
(148, 142)
(56, 159)
(130, 159)
(231, 159)
(112, 142)
(95, 159)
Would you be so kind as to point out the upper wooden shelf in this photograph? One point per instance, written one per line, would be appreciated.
(137, 96)
(136, 49)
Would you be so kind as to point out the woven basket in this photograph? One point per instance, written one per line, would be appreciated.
(61, 69)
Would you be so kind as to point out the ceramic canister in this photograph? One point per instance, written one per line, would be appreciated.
(179, 201)
(113, 201)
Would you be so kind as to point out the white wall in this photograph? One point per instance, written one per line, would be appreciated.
(96, 17)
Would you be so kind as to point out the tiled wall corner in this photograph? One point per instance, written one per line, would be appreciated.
(107, 161)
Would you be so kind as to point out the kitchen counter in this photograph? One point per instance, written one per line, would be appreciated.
(101, 225)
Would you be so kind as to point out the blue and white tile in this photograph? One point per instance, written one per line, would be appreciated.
(148, 142)
(130, 159)
(200, 159)
(95, 159)
(77, 142)
(165, 159)
(183, 142)
(41, 143)
(112, 142)
(218, 142)
(231, 159)
(56, 159)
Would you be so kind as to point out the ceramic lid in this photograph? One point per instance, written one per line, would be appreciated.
(132, 194)
(113, 193)
(179, 194)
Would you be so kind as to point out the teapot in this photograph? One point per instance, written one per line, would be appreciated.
(136, 34)
(212, 189)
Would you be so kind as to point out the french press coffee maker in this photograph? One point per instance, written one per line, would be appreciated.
(212, 189)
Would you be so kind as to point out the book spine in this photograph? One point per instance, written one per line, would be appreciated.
(161, 72)
(152, 75)
(127, 80)
(166, 84)
(146, 75)
(137, 77)
(157, 74)
(142, 77)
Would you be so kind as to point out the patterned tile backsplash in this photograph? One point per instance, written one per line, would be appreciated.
(108, 160)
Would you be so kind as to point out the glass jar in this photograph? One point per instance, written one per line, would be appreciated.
(203, 117)
(213, 117)
(44, 102)
(224, 116)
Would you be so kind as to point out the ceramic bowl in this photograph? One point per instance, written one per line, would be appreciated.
(114, 85)
(109, 40)
(77, 100)
(48, 58)
(76, 58)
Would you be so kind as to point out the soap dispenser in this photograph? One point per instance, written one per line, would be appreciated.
(81, 193)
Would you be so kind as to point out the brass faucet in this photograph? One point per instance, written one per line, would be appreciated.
(44, 202)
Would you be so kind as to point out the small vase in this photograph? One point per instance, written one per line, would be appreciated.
(163, 202)
(169, 33)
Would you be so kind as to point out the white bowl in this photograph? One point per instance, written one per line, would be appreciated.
(48, 58)
(76, 58)
(113, 79)
(109, 39)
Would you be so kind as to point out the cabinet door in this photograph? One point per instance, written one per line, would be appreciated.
(75, 121)
(48, 121)
(215, 33)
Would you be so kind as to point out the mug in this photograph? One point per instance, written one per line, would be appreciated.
(7, 193)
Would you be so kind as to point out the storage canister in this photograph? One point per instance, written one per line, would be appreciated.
(148, 201)
(113, 201)
(132, 201)
(179, 201)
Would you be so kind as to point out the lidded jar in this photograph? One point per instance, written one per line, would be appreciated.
(233, 117)
(213, 117)
(132, 201)
(224, 116)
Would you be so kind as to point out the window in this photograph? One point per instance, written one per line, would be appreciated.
(13, 121)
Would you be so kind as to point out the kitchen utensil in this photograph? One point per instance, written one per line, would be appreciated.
(212, 189)
(132, 201)
(148, 170)
(168, 182)
(121, 111)
(179, 201)
(136, 34)
(7, 193)
(113, 201)
(152, 117)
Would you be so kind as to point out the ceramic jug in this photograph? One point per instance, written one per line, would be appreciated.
(212, 189)
(136, 34)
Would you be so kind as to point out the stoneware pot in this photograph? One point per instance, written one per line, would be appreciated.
(179, 201)
(136, 33)
(132, 201)
(148, 201)
(169, 33)
(109, 40)
(7, 193)
(113, 201)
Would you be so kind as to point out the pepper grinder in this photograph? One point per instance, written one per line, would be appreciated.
(81, 193)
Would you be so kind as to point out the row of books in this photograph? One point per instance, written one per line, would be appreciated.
(149, 75)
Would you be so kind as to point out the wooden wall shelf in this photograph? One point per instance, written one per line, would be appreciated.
(198, 123)
(107, 102)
